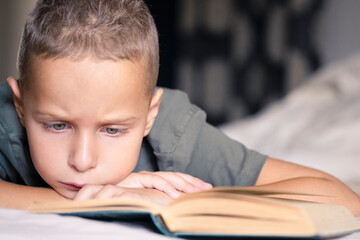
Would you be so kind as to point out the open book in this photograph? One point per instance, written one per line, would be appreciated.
(220, 212)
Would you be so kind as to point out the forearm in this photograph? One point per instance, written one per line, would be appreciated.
(20, 197)
(285, 176)
(325, 190)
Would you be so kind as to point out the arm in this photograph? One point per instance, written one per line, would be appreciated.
(20, 197)
(158, 187)
(284, 176)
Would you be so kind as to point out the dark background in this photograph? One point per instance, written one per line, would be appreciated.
(232, 57)
(242, 84)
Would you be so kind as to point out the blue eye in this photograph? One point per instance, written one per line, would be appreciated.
(112, 131)
(57, 126)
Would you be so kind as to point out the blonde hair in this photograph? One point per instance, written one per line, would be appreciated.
(102, 29)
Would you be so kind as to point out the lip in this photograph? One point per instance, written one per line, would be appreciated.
(73, 186)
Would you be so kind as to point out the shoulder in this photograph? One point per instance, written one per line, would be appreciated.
(183, 141)
(175, 105)
(12, 138)
(9, 123)
(175, 99)
(175, 114)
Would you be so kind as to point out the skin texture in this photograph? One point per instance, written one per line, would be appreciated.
(85, 122)
(278, 175)
(77, 140)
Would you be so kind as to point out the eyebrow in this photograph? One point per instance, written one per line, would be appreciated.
(130, 120)
(48, 115)
(127, 120)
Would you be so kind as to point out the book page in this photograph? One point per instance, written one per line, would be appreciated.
(120, 203)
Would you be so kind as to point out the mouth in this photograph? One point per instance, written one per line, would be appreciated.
(73, 186)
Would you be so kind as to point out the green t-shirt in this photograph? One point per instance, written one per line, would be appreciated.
(180, 141)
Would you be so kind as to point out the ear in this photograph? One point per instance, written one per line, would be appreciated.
(18, 102)
(153, 110)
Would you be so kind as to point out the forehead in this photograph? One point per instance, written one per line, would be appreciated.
(80, 86)
(61, 68)
(88, 71)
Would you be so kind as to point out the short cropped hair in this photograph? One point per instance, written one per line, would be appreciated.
(101, 29)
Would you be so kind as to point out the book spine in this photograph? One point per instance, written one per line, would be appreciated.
(160, 225)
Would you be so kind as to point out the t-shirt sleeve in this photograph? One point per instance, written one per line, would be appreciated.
(2, 168)
(15, 161)
(183, 141)
(7, 169)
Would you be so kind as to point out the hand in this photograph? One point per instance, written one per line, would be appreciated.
(171, 183)
(111, 191)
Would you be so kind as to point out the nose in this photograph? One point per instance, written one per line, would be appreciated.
(83, 155)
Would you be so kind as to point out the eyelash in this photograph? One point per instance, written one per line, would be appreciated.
(118, 131)
(52, 127)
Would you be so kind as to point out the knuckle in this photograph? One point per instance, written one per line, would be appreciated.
(161, 185)
(86, 188)
(108, 187)
(167, 185)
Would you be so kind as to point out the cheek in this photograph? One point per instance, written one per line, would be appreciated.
(47, 154)
(119, 157)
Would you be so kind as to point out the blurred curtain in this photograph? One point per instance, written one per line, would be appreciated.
(235, 56)
(13, 15)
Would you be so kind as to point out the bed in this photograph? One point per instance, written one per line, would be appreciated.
(317, 125)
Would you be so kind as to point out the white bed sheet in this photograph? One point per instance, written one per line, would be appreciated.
(317, 125)
(20, 225)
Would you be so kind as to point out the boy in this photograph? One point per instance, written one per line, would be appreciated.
(88, 114)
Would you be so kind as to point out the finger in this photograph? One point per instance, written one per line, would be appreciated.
(145, 179)
(152, 195)
(152, 180)
(132, 181)
(184, 182)
(168, 182)
(87, 192)
(109, 191)
(178, 182)
(202, 185)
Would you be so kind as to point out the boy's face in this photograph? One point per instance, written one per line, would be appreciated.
(85, 120)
